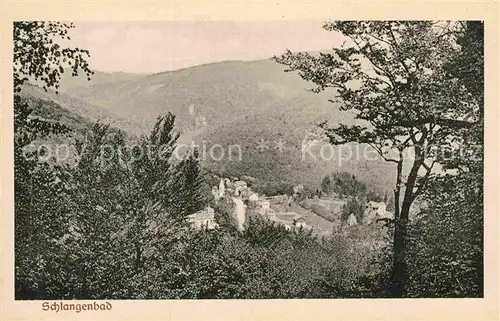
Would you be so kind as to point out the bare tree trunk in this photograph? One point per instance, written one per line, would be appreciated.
(397, 288)
(397, 190)
(399, 270)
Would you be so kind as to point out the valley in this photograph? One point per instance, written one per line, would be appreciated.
(232, 103)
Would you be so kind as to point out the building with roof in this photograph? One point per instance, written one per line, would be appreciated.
(203, 219)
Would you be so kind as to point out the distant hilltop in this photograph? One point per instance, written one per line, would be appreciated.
(233, 103)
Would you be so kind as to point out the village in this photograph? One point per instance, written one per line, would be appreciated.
(283, 209)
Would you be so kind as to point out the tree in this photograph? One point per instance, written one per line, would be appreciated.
(129, 208)
(353, 206)
(190, 185)
(445, 248)
(40, 201)
(98, 228)
(38, 55)
(447, 242)
(326, 185)
(392, 75)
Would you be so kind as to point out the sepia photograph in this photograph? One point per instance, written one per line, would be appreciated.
(328, 159)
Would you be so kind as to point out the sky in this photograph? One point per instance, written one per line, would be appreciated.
(149, 47)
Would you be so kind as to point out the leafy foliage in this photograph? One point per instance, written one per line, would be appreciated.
(346, 185)
(86, 231)
(273, 188)
(446, 247)
(38, 54)
(121, 212)
(262, 232)
(353, 206)
(114, 225)
(40, 198)
(343, 184)
(446, 244)
(394, 76)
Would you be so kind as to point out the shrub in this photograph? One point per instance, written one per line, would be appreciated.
(353, 206)
(344, 184)
(446, 243)
(347, 185)
(273, 188)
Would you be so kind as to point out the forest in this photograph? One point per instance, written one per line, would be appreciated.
(112, 225)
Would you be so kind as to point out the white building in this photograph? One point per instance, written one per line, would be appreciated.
(241, 184)
(263, 203)
(215, 193)
(298, 189)
(270, 214)
(351, 220)
(253, 198)
(375, 211)
(222, 188)
(203, 219)
(299, 221)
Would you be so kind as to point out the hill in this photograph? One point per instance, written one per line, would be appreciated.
(69, 82)
(230, 104)
(74, 112)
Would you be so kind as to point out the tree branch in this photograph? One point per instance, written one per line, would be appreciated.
(379, 150)
(423, 180)
(396, 49)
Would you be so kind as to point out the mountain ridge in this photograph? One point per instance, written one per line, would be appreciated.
(233, 103)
